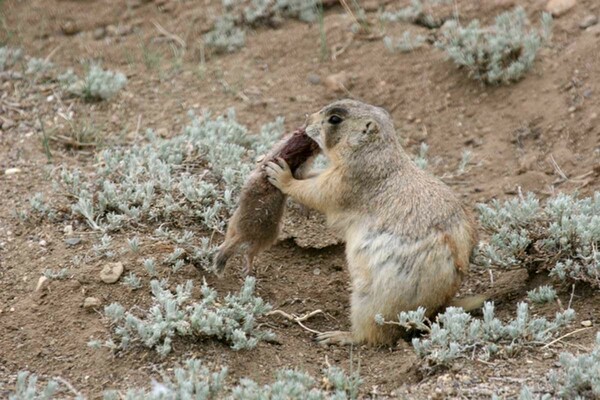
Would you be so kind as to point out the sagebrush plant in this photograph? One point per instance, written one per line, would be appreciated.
(9, 57)
(38, 66)
(465, 159)
(578, 376)
(133, 281)
(527, 394)
(421, 158)
(456, 334)
(40, 206)
(262, 11)
(404, 44)
(59, 275)
(232, 319)
(98, 84)
(542, 294)
(228, 34)
(195, 381)
(27, 388)
(501, 53)
(226, 37)
(562, 236)
(418, 11)
(193, 177)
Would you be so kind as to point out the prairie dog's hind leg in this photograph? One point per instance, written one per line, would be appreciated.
(336, 337)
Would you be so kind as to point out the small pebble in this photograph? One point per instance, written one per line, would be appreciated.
(73, 241)
(43, 243)
(99, 33)
(70, 28)
(559, 7)
(68, 230)
(587, 21)
(317, 271)
(111, 272)
(12, 171)
(587, 323)
(91, 302)
(7, 123)
(42, 283)
(314, 79)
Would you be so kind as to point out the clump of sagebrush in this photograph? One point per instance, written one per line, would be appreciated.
(194, 380)
(456, 334)
(195, 176)
(40, 206)
(232, 319)
(405, 44)
(133, 281)
(417, 12)
(421, 158)
(542, 294)
(60, 275)
(563, 236)
(291, 384)
(527, 394)
(578, 376)
(263, 11)
(228, 34)
(501, 53)
(38, 66)
(98, 84)
(226, 37)
(9, 57)
(26, 388)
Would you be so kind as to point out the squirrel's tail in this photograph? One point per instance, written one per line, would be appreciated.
(226, 250)
(469, 303)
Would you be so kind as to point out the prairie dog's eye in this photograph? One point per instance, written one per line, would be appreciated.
(334, 120)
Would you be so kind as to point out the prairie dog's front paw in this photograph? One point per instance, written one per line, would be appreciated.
(279, 174)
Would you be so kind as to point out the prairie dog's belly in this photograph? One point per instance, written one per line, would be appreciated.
(398, 273)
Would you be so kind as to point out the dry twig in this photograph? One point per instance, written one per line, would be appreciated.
(169, 35)
(298, 319)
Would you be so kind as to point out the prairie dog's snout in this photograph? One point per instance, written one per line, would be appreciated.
(314, 128)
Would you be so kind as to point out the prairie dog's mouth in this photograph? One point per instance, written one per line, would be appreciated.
(314, 133)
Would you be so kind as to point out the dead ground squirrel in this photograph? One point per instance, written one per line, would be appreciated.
(254, 226)
(408, 238)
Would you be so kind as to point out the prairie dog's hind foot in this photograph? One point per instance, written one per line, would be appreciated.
(341, 338)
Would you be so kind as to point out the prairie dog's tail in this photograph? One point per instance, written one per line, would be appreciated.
(469, 303)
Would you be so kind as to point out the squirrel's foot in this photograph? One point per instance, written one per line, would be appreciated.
(342, 338)
(279, 174)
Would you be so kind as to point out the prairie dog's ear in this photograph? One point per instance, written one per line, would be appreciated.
(370, 127)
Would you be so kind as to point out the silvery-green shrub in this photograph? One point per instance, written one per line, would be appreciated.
(501, 53)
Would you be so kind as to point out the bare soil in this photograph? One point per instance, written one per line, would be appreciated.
(529, 136)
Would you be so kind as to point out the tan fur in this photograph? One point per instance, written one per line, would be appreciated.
(408, 238)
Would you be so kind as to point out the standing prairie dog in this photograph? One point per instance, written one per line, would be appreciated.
(408, 238)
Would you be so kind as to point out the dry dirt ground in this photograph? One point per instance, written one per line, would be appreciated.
(514, 133)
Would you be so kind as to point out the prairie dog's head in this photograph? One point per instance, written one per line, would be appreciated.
(346, 126)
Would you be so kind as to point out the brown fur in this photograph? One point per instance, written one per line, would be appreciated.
(254, 226)
(408, 237)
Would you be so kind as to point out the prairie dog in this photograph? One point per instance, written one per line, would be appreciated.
(254, 226)
(408, 238)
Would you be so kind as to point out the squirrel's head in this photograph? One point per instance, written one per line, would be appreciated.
(346, 126)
